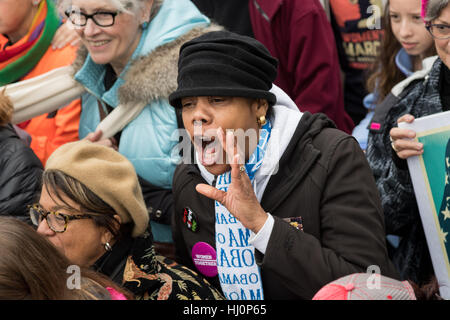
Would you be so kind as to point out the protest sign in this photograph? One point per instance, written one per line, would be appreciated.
(430, 177)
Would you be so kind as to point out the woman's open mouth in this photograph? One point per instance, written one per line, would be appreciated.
(206, 147)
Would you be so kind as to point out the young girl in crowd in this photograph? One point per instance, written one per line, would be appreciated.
(406, 43)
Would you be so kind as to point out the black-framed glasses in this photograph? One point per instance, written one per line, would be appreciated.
(56, 221)
(100, 18)
(439, 31)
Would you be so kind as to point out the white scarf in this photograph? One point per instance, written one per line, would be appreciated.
(49, 91)
(239, 274)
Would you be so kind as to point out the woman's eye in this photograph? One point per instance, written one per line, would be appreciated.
(186, 104)
(217, 100)
(59, 217)
(394, 17)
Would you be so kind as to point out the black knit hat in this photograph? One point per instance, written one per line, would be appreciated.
(223, 63)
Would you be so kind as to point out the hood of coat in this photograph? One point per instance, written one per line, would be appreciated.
(152, 74)
(427, 63)
(298, 159)
(422, 83)
(7, 132)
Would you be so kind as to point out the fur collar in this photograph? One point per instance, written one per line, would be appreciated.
(153, 76)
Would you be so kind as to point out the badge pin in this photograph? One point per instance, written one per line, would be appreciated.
(296, 222)
(205, 259)
(190, 220)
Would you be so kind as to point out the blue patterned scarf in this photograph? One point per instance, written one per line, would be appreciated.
(239, 274)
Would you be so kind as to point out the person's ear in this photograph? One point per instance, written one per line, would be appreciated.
(261, 107)
(118, 220)
(107, 236)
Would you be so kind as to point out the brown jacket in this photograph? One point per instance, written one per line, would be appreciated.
(323, 177)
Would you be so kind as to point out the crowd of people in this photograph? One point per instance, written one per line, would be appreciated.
(238, 150)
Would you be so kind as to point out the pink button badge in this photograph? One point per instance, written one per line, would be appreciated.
(204, 257)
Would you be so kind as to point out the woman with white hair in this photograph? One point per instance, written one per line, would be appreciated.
(389, 147)
(128, 65)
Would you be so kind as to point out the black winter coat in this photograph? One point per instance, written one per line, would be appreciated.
(323, 177)
(20, 175)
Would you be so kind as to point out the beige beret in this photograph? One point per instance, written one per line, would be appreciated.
(106, 173)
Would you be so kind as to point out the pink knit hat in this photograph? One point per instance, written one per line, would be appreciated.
(366, 286)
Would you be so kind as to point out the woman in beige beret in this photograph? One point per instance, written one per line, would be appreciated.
(92, 209)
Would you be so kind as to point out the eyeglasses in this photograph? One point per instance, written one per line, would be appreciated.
(439, 31)
(102, 19)
(55, 220)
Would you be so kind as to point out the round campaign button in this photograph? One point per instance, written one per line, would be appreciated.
(204, 257)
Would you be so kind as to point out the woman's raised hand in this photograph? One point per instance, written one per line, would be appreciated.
(240, 199)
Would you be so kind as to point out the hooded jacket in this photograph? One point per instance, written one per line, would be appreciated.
(404, 63)
(322, 178)
(20, 174)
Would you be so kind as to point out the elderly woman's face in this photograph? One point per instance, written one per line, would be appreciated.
(203, 116)
(443, 46)
(15, 17)
(114, 44)
(82, 242)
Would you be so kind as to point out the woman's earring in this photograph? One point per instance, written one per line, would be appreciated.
(108, 247)
(262, 120)
(144, 25)
(36, 2)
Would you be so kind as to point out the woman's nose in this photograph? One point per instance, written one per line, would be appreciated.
(405, 29)
(201, 114)
(91, 29)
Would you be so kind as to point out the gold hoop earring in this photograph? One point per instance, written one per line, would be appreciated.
(261, 120)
